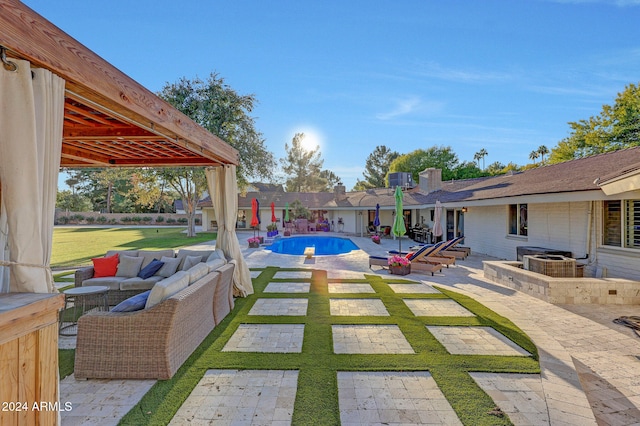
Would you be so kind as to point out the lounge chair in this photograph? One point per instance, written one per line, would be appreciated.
(451, 249)
(417, 259)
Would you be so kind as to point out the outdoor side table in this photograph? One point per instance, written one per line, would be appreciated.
(77, 302)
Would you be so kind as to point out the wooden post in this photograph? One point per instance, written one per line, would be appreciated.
(29, 358)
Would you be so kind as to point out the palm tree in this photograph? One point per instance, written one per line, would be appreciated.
(534, 155)
(543, 150)
(480, 154)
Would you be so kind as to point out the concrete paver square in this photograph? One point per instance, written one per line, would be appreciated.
(369, 339)
(272, 338)
(287, 287)
(413, 288)
(350, 288)
(280, 307)
(475, 341)
(248, 397)
(358, 307)
(437, 308)
(392, 397)
(255, 274)
(293, 274)
(520, 396)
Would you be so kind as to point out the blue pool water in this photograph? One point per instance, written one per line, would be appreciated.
(323, 245)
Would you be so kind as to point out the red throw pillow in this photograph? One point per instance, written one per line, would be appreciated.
(105, 266)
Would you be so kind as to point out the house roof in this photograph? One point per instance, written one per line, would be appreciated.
(571, 176)
(584, 174)
(109, 119)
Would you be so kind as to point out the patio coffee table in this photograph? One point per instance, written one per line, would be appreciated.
(77, 302)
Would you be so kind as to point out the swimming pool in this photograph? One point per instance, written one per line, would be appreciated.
(323, 245)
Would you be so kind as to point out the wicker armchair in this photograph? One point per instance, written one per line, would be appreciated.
(148, 344)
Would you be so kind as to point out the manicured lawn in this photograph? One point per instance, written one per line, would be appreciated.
(74, 247)
(317, 395)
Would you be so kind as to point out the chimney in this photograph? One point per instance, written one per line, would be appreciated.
(430, 180)
(340, 192)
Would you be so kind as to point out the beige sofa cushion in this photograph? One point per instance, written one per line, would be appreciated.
(149, 255)
(215, 263)
(189, 262)
(167, 288)
(112, 282)
(129, 266)
(132, 253)
(196, 272)
(137, 283)
(170, 266)
(217, 254)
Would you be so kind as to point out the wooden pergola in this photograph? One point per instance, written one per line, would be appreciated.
(110, 120)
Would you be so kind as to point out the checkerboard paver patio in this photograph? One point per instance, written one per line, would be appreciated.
(475, 341)
(276, 338)
(369, 339)
(282, 307)
(437, 308)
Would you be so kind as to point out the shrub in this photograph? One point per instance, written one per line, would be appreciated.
(101, 219)
(113, 220)
(63, 220)
(136, 219)
(125, 219)
(91, 219)
(147, 219)
(183, 220)
(171, 220)
(78, 217)
(159, 219)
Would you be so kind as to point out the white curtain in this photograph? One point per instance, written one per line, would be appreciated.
(223, 187)
(31, 119)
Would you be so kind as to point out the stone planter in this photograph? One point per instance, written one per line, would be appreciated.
(254, 245)
(400, 269)
(376, 241)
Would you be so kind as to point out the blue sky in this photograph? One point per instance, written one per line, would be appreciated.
(504, 75)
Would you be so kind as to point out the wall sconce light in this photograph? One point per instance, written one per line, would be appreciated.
(464, 210)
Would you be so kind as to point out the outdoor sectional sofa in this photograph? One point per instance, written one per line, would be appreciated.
(152, 343)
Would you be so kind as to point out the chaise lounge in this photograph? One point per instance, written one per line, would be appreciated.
(419, 261)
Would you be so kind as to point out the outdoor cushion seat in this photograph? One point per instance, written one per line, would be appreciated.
(112, 282)
(121, 253)
(214, 264)
(183, 253)
(137, 283)
(149, 255)
(196, 272)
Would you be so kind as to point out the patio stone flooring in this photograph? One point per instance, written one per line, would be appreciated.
(590, 368)
(279, 307)
(273, 338)
(350, 288)
(358, 307)
(369, 339)
(475, 341)
(284, 287)
(437, 308)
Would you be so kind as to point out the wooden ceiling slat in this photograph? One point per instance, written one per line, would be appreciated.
(101, 96)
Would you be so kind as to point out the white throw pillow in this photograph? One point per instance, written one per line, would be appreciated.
(166, 288)
(196, 272)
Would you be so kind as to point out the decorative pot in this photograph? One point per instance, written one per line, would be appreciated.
(400, 269)
(376, 241)
(254, 245)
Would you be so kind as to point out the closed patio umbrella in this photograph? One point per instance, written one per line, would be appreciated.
(437, 226)
(376, 220)
(255, 221)
(274, 219)
(398, 224)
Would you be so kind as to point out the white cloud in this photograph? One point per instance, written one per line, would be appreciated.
(402, 107)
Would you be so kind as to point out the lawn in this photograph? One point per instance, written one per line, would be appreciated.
(73, 247)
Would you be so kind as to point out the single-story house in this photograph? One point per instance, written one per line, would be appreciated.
(589, 207)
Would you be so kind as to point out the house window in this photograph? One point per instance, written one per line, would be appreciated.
(621, 227)
(518, 224)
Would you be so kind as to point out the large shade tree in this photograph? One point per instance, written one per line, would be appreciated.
(217, 107)
(376, 168)
(616, 127)
(303, 168)
(439, 157)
